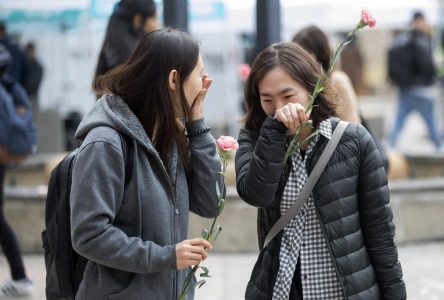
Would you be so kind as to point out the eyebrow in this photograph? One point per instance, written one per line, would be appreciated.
(284, 91)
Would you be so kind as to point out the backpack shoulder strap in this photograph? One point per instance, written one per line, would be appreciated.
(127, 144)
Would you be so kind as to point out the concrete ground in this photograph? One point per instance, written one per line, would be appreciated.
(422, 265)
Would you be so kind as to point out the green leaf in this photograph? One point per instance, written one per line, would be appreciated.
(216, 232)
(192, 287)
(205, 273)
(217, 189)
(221, 205)
(290, 150)
(205, 233)
(200, 283)
(197, 284)
(310, 136)
(309, 109)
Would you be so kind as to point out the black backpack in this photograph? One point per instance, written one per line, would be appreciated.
(65, 267)
(401, 61)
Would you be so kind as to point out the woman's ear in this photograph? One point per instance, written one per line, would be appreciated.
(172, 80)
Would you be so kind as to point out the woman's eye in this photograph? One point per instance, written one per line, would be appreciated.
(266, 100)
(288, 96)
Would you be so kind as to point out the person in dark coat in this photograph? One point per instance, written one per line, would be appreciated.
(126, 27)
(18, 68)
(19, 285)
(341, 243)
(415, 92)
(34, 74)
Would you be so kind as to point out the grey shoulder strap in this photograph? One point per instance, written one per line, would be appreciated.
(309, 185)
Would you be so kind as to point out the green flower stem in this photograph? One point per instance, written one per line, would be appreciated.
(319, 87)
(187, 284)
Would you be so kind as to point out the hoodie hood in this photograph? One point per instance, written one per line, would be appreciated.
(111, 111)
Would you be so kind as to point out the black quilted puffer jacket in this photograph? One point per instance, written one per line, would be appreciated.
(351, 200)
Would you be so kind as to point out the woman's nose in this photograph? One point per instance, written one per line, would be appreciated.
(278, 104)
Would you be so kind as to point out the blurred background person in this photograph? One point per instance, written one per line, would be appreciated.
(19, 285)
(315, 41)
(411, 68)
(34, 74)
(18, 66)
(127, 25)
(352, 63)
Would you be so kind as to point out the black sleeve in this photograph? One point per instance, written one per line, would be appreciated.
(259, 162)
(377, 219)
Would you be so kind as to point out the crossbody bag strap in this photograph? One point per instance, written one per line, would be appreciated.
(309, 185)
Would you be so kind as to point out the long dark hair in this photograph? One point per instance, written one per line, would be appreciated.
(301, 67)
(143, 83)
(315, 41)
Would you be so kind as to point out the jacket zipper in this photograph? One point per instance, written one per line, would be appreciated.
(330, 251)
(175, 214)
(175, 217)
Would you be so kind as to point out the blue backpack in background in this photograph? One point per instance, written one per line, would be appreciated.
(17, 129)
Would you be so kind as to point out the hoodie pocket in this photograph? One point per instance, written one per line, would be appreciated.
(123, 294)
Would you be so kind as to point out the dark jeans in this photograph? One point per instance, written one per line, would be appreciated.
(8, 241)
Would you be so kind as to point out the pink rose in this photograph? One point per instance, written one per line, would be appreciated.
(227, 143)
(244, 70)
(367, 18)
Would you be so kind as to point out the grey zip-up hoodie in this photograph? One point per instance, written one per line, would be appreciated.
(130, 235)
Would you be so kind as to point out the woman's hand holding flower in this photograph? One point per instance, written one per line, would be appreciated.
(192, 252)
(292, 116)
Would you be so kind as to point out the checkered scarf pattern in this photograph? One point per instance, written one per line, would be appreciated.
(303, 237)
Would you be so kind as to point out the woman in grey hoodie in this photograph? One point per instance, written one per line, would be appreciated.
(134, 234)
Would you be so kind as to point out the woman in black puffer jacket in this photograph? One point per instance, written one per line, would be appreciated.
(341, 244)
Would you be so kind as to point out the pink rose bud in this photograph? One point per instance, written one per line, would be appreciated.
(244, 70)
(367, 18)
(227, 143)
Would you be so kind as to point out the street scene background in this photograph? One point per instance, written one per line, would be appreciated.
(67, 36)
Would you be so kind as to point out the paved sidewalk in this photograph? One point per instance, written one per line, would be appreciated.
(422, 265)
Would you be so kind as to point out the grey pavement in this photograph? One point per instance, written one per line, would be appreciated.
(423, 266)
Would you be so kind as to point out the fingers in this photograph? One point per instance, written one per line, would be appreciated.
(283, 117)
(192, 252)
(206, 82)
(300, 110)
(197, 106)
(21, 110)
(292, 115)
(201, 242)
